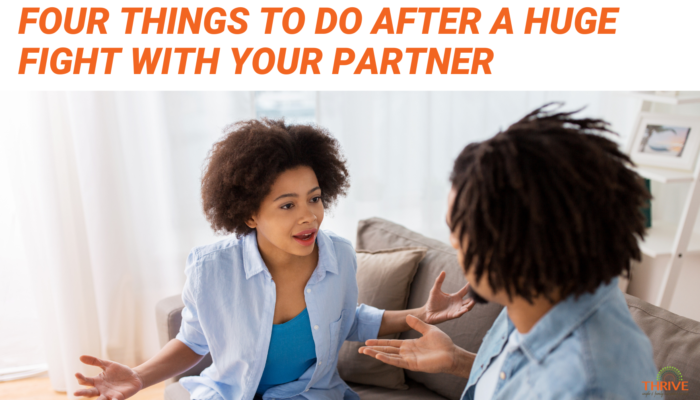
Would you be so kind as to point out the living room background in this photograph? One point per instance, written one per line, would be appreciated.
(99, 196)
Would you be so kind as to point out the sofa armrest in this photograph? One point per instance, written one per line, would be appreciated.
(168, 319)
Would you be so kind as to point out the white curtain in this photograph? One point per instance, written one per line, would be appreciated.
(106, 190)
(99, 182)
(401, 145)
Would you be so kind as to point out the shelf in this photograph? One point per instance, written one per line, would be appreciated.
(659, 240)
(670, 98)
(664, 175)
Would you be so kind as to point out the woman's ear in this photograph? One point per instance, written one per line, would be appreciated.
(252, 224)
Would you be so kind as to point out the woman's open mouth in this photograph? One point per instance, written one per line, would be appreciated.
(306, 238)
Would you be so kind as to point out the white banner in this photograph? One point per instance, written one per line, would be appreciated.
(310, 45)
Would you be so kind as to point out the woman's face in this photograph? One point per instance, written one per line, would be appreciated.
(291, 214)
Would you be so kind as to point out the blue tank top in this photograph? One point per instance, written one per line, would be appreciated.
(291, 353)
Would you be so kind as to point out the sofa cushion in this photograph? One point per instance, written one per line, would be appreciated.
(466, 331)
(384, 280)
(415, 391)
(674, 339)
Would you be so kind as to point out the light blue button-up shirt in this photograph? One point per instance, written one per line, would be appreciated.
(589, 348)
(229, 301)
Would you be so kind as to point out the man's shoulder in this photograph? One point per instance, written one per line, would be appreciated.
(606, 357)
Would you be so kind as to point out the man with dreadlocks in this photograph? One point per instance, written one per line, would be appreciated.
(545, 217)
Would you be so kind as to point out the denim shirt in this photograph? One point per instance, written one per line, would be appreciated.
(229, 301)
(589, 348)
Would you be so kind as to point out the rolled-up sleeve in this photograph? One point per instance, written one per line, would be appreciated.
(366, 325)
(191, 333)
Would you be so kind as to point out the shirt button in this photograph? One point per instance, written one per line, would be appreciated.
(308, 290)
(315, 326)
(503, 375)
(306, 390)
(320, 362)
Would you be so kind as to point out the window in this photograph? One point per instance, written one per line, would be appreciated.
(295, 107)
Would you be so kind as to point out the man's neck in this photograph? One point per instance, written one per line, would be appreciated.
(525, 315)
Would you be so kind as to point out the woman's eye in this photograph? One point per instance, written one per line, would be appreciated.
(316, 199)
(286, 206)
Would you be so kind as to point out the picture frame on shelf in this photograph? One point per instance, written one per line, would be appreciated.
(666, 140)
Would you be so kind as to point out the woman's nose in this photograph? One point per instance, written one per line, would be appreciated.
(308, 216)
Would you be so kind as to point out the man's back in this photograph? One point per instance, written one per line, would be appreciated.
(581, 349)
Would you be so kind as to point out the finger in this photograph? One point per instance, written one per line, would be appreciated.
(438, 282)
(384, 342)
(90, 360)
(84, 380)
(466, 307)
(470, 304)
(463, 310)
(417, 324)
(463, 291)
(381, 349)
(92, 392)
(103, 397)
(392, 360)
(384, 357)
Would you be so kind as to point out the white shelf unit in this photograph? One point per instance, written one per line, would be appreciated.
(664, 175)
(660, 237)
(665, 239)
(667, 97)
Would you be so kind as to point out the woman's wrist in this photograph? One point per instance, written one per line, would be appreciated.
(421, 314)
(139, 376)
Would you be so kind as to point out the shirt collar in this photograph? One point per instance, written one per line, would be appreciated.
(561, 320)
(254, 264)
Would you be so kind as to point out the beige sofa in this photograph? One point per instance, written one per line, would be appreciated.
(676, 340)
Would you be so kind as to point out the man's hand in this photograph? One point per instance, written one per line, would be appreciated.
(116, 382)
(443, 307)
(434, 352)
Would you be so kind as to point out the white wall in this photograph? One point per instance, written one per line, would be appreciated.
(667, 206)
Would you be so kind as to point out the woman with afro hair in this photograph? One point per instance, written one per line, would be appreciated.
(274, 303)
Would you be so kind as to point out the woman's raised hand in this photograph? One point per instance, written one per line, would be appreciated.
(116, 382)
(443, 307)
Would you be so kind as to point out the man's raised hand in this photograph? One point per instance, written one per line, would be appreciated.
(433, 352)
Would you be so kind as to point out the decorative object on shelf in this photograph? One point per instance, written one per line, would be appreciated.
(646, 210)
(664, 140)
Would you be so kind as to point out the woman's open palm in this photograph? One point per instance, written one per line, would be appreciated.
(116, 382)
(443, 307)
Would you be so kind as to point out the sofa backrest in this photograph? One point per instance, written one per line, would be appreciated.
(675, 340)
(466, 331)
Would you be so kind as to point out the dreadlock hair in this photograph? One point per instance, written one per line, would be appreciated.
(548, 207)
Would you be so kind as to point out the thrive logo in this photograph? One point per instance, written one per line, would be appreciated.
(669, 380)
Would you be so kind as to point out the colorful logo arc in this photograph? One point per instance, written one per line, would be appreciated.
(669, 374)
